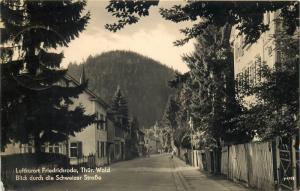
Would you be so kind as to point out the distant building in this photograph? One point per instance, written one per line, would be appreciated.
(153, 145)
(152, 139)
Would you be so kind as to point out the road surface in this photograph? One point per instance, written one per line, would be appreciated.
(157, 173)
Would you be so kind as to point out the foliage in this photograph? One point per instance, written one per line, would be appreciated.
(165, 138)
(119, 110)
(275, 111)
(169, 117)
(206, 94)
(128, 12)
(214, 107)
(34, 105)
(248, 16)
(143, 81)
(132, 141)
(182, 137)
(210, 91)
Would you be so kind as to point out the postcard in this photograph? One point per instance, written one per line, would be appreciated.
(158, 95)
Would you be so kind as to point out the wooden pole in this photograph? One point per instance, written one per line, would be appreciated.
(293, 162)
(278, 163)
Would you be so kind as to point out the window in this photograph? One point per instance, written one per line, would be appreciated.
(29, 148)
(54, 148)
(97, 123)
(104, 123)
(246, 76)
(98, 150)
(117, 148)
(76, 149)
(101, 121)
(43, 148)
(258, 69)
(101, 124)
(102, 149)
(26, 148)
(241, 81)
(251, 73)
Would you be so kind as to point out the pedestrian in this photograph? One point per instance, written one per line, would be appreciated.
(173, 152)
(186, 157)
(149, 150)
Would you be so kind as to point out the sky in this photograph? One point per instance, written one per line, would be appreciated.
(152, 36)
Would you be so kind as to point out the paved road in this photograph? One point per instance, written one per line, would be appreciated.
(157, 173)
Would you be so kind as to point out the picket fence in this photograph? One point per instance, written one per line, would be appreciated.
(251, 163)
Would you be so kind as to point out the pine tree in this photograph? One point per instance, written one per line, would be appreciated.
(132, 140)
(213, 105)
(34, 104)
(119, 110)
(170, 115)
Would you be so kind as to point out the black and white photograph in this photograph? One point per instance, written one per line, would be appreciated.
(149, 95)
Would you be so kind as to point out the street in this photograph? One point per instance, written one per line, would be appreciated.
(156, 173)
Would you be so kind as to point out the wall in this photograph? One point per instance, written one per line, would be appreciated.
(87, 136)
(247, 59)
(264, 47)
(101, 135)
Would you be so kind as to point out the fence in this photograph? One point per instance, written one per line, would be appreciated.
(85, 161)
(251, 163)
(264, 165)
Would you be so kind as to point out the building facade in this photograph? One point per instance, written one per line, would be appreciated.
(93, 139)
(248, 58)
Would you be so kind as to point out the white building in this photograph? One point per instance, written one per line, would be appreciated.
(247, 59)
(92, 141)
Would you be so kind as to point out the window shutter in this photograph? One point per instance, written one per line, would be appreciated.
(98, 150)
(79, 144)
(104, 123)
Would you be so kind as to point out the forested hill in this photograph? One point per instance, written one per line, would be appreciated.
(142, 80)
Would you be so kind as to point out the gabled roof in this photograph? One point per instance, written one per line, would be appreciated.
(94, 97)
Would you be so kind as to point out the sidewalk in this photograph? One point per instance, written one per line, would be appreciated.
(195, 180)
